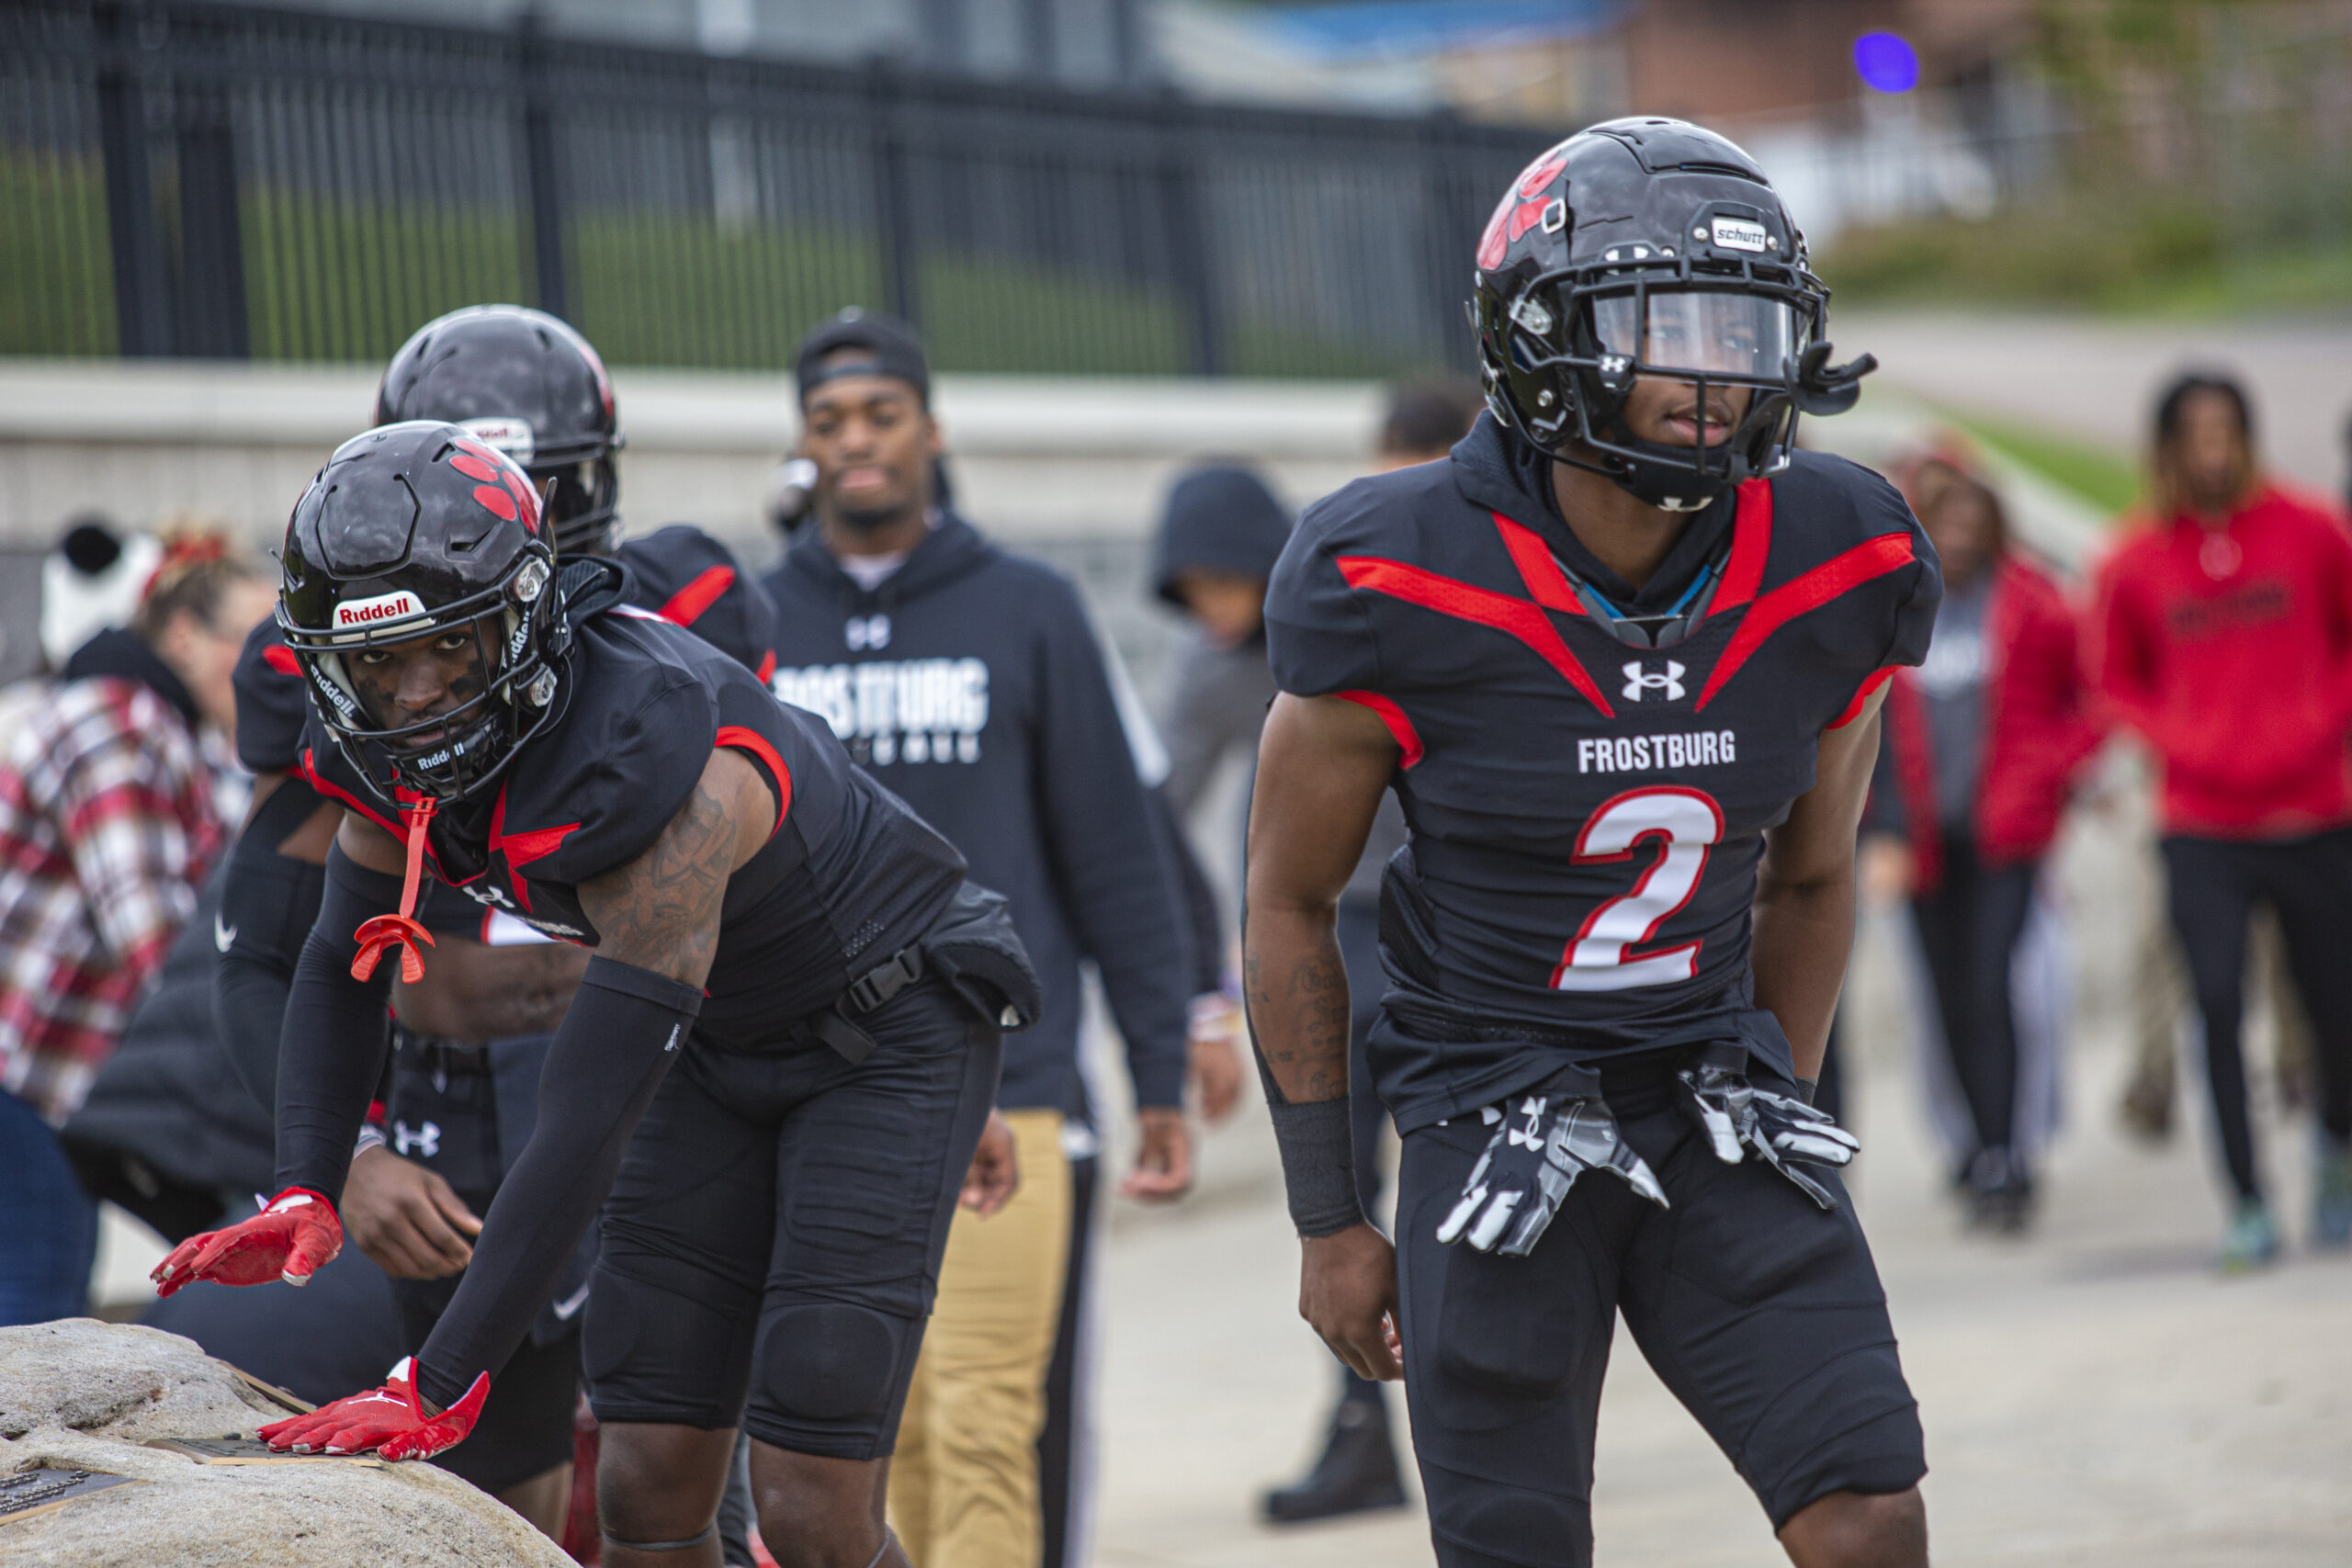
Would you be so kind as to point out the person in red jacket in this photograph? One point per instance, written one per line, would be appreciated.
(2223, 637)
(1982, 744)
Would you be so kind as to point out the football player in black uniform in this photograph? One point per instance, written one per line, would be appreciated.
(763, 917)
(1620, 658)
(472, 1030)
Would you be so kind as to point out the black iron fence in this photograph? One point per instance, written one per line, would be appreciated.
(230, 182)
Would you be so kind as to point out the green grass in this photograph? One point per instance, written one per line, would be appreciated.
(336, 280)
(2117, 253)
(56, 279)
(2099, 475)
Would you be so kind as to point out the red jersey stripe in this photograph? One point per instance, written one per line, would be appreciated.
(752, 740)
(1751, 542)
(1546, 584)
(1840, 574)
(687, 605)
(1465, 602)
(1408, 737)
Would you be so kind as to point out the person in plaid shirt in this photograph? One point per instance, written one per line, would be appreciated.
(109, 825)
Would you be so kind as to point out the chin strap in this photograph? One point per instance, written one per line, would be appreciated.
(381, 935)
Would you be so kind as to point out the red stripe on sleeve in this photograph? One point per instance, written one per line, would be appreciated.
(687, 605)
(1840, 574)
(1854, 709)
(280, 658)
(327, 787)
(752, 740)
(1407, 739)
(1465, 602)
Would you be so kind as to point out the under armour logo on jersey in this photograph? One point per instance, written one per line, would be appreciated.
(1638, 681)
(1531, 1136)
(423, 1139)
(867, 631)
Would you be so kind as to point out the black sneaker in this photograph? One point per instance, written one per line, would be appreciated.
(1357, 1473)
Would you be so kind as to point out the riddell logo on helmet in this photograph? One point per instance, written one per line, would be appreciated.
(506, 434)
(370, 611)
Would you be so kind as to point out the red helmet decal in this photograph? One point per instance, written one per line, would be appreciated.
(526, 497)
(1521, 209)
(498, 499)
(473, 468)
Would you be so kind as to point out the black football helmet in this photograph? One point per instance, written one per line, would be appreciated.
(1652, 247)
(413, 529)
(526, 383)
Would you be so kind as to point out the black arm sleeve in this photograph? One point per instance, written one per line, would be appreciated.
(331, 1052)
(267, 905)
(607, 1060)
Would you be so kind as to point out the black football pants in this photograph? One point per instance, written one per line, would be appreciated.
(1969, 924)
(2213, 886)
(1759, 1310)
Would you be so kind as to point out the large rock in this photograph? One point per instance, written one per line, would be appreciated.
(86, 1394)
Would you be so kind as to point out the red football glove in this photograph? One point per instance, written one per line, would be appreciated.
(391, 1420)
(291, 1239)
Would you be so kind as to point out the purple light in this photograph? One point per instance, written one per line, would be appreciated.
(1886, 62)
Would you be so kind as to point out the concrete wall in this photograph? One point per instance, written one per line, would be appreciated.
(1033, 459)
(1074, 470)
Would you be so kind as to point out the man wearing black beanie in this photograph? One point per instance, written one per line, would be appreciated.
(969, 681)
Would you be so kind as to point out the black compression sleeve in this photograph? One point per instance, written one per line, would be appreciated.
(267, 906)
(623, 1032)
(331, 1052)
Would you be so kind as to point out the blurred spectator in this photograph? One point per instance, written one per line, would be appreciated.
(92, 581)
(109, 825)
(2223, 637)
(1981, 746)
(170, 1133)
(1034, 780)
(1219, 538)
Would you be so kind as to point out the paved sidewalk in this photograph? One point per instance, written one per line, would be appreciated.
(2093, 1394)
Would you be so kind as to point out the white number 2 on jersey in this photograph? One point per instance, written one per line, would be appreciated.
(1685, 825)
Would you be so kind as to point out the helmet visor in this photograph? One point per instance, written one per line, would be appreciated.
(1698, 331)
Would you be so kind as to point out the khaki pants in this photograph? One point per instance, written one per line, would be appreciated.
(963, 1480)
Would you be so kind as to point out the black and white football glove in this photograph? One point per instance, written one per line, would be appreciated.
(1739, 1117)
(1539, 1149)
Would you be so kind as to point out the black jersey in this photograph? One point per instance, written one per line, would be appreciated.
(679, 573)
(849, 877)
(273, 702)
(1587, 815)
(683, 575)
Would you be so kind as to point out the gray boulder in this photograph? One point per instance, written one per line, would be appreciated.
(88, 1395)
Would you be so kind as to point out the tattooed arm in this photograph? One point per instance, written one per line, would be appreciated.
(657, 922)
(1321, 769)
(660, 911)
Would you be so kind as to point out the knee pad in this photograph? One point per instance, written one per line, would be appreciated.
(648, 1347)
(829, 1361)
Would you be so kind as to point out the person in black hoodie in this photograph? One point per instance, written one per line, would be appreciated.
(969, 681)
